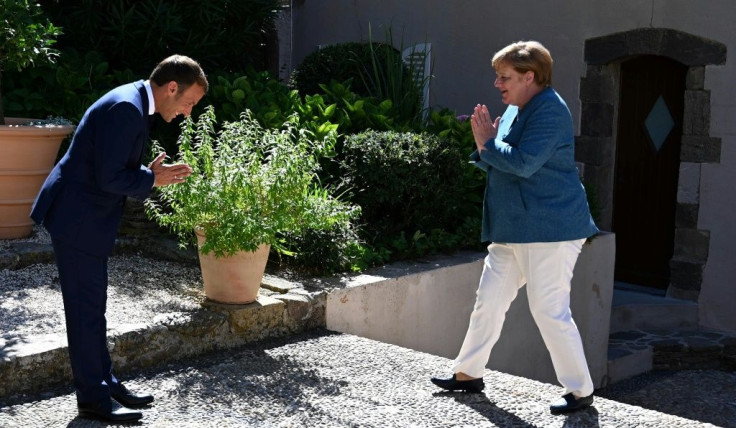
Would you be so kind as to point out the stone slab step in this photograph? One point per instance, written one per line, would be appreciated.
(31, 363)
(634, 352)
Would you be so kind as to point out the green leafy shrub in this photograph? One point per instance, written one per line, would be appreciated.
(340, 62)
(271, 102)
(368, 70)
(447, 125)
(411, 191)
(65, 88)
(137, 34)
(26, 37)
(250, 186)
(326, 251)
(354, 113)
(388, 77)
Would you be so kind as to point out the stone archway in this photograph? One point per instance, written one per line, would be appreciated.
(596, 145)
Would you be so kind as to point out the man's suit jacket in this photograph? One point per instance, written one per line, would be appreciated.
(81, 201)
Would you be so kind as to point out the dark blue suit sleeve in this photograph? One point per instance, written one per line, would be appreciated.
(117, 168)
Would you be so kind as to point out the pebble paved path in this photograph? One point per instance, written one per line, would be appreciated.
(322, 379)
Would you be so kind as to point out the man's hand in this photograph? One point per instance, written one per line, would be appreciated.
(168, 174)
(483, 128)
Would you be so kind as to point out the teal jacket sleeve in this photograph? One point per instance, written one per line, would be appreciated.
(477, 162)
(524, 154)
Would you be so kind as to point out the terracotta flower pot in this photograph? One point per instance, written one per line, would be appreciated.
(27, 154)
(235, 279)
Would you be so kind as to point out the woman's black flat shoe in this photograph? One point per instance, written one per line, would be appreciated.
(452, 384)
(568, 403)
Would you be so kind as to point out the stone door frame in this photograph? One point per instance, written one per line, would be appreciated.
(596, 144)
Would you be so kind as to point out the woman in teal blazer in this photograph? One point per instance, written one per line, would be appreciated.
(536, 216)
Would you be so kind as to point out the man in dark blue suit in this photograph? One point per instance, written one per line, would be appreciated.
(81, 205)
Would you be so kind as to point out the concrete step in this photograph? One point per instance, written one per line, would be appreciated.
(626, 363)
(633, 310)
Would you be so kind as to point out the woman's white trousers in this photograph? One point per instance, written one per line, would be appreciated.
(546, 268)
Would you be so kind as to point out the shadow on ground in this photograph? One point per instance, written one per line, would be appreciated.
(711, 397)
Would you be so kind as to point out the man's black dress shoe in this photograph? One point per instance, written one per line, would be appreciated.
(114, 413)
(568, 403)
(122, 395)
(452, 384)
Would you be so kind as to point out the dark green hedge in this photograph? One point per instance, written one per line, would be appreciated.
(412, 189)
(339, 62)
(137, 34)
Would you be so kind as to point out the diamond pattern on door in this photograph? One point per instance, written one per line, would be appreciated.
(659, 123)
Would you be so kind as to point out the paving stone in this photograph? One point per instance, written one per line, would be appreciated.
(667, 345)
(628, 335)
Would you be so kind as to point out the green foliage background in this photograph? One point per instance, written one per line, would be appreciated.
(224, 35)
(26, 37)
(406, 170)
(341, 62)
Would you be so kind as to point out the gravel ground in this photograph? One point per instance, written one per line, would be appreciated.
(139, 288)
(321, 379)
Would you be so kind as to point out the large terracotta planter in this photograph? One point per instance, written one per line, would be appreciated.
(27, 154)
(235, 279)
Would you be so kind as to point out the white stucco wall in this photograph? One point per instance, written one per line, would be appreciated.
(464, 36)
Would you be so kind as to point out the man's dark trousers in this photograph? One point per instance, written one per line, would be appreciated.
(83, 279)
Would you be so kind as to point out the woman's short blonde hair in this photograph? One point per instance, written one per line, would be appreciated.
(527, 56)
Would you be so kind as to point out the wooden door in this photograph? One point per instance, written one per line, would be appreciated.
(647, 167)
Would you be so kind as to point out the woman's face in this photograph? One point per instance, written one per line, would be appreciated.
(516, 88)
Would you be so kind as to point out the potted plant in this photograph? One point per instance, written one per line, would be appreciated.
(249, 187)
(28, 147)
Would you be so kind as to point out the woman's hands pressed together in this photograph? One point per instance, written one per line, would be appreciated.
(483, 128)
